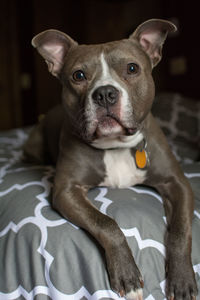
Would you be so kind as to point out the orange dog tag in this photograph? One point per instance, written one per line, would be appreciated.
(141, 159)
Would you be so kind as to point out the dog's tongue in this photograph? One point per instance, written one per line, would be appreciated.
(108, 127)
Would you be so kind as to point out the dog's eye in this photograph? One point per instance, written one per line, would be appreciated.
(132, 68)
(79, 76)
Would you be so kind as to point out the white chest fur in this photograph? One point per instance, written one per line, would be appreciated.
(121, 170)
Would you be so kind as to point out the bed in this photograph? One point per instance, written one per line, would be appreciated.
(43, 256)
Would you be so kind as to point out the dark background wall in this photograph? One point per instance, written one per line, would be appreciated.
(28, 90)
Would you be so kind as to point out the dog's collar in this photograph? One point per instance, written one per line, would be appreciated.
(140, 154)
(138, 147)
(137, 144)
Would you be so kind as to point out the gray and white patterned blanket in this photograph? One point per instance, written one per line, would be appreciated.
(42, 256)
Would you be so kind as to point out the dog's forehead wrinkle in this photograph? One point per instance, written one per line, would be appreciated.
(83, 55)
(114, 49)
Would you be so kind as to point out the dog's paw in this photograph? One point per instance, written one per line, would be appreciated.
(125, 278)
(181, 284)
(181, 290)
(135, 295)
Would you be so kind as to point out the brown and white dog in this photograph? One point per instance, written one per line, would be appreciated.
(105, 134)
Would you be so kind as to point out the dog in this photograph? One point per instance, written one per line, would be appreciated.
(105, 135)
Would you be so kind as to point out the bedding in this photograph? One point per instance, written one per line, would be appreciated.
(43, 256)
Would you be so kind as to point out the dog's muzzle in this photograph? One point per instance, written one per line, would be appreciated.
(108, 106)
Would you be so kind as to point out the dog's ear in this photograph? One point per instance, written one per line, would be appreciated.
(151, 36)
(53, 45)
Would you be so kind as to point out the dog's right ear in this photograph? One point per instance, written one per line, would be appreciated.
(53, 45)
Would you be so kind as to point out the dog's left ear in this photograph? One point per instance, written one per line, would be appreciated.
(151, 36)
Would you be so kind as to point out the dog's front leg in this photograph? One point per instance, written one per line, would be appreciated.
(179, 203)
(72, 202)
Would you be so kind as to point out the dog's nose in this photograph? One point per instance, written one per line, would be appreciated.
(105, 95)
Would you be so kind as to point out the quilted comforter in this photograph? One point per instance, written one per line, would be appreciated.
(43, 256)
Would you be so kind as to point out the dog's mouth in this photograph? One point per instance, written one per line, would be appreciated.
(108, 126)
(111, 126)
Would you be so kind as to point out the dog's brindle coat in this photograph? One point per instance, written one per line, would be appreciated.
(108, 92)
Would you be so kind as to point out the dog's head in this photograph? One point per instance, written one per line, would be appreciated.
(108, 88)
